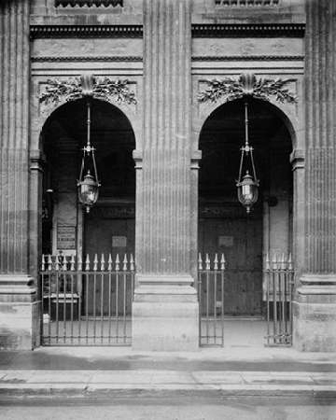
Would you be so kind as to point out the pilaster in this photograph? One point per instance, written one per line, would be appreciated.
(166, 136)
(17, 290)
(163, 254)
(297, 159)
(315, 306)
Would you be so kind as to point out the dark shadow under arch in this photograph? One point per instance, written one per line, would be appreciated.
(224, 225)
(265, 105)
(63, 137)
(222, 135)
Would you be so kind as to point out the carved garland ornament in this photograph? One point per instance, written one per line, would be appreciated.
(248, 85)
(76, 88)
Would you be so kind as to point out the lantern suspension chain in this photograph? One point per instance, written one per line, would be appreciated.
(247, 147)
(89, 148)
(88, 145)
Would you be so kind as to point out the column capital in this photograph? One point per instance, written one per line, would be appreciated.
(37, 160)
(297, 159)
(196, 156)
(138, 158)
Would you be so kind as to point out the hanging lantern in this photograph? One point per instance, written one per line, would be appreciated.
(88, 184)
(248, 184)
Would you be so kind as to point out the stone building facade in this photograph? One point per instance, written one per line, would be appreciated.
(171, 120)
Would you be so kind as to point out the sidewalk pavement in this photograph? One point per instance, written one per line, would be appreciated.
(81, 372)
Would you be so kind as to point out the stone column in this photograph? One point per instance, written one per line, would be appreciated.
(165, 310)
(17, 288)
(297, 159)
(315, 306)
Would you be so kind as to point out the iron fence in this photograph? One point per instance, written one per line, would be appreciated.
(211, 300)
(86, 303)
(90, 303)
(278, 294)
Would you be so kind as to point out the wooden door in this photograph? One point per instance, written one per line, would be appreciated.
(109, 235)
(240, 238)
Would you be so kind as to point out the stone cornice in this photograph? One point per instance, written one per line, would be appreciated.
(85, 31)
(246, 3)
(242, 30)
(135, 58)
(43, 59)
(198, 31)
(88, 3)
(249, 58)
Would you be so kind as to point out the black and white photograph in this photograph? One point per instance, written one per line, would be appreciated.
(168, 209)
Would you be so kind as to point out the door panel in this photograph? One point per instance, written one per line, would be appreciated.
(241, 241)
(104, 235)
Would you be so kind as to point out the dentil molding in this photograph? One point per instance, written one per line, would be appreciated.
(90, 58)
(198, 31)
(89, 3)
(248, 58)
(86, 31)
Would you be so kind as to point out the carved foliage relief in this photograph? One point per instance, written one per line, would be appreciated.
(248, 85)
(57, 91)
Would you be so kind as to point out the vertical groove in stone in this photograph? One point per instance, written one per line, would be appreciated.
(320, 100)
(166, 136)
(14, 135)
(1, 77)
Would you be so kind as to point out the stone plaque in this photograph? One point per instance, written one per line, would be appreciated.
(119, 241)
(66, 237)
(225, 241)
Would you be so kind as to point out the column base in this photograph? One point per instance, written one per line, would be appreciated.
(314, 314)
(19, 313)
(165, 314)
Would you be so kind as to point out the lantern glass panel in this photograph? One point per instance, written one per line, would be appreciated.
(88, 191)
(247, 193)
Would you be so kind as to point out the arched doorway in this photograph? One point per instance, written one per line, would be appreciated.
(224, 226)
(110, 225)
(78, 294)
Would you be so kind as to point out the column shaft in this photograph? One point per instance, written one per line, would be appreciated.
(314, 309)
(167, 122)
(14, 117)
(320, 100)
(18, 307)
(165, 308)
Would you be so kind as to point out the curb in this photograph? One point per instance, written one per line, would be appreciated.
(167, 390)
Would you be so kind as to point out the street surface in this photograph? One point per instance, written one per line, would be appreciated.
(183, 407)
(212, 384)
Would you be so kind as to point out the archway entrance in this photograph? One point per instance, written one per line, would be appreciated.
(224, 225)
(93, 245)
(109, 227)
